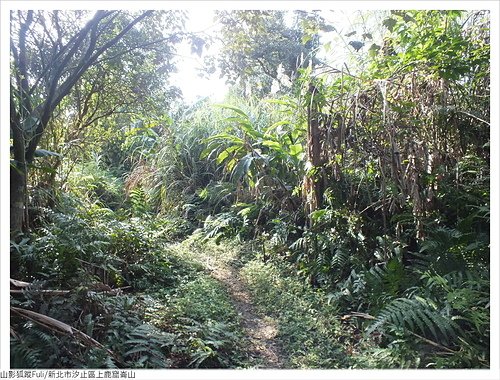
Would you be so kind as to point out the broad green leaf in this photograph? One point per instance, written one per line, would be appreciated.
(389, 23)
(275, 125)
(316, 215)
(225, 136)
(46, 153)
(273, 145)
(237, 119)
(230, 164)
(225, 153)
(296, 149)
(243, 166)
(233, 108)
(222, 156)
(245, 126)
(247, 210)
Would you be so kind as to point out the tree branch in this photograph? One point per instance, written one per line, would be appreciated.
(22, 60)
(57, 93)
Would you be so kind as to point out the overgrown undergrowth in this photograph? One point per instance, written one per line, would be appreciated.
(143, 300)
(116, 284)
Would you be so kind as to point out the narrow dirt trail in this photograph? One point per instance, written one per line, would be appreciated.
(264, 350)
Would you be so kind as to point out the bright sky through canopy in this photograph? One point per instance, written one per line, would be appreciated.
(189, 64)
(201, 21)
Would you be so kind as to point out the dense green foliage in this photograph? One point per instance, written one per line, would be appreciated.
(355, 202)
(148, 305)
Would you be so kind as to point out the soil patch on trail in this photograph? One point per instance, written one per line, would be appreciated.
(264, 350)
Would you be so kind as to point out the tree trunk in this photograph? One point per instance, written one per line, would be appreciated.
(17, 199)
(68, 66)
(313, 181)
(18, 175)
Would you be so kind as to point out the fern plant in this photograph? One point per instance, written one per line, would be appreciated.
(386, 280)
(213, 344)
(24, 353)
(139, 202)
(418, 316)
(225, 225)
(147, 347)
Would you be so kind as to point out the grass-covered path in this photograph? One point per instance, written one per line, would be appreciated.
(284, 323)
(264, 350)
(261, 346)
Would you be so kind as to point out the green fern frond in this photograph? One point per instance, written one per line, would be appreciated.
(341, 258)
(417, 315)
(299, 244)
(389, 277)
(376, 274)
(25, 355)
